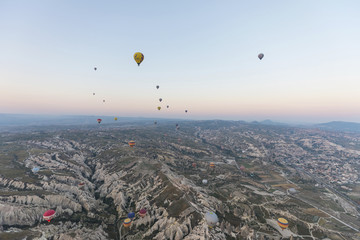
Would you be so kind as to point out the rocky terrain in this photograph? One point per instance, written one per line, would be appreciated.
(255, 166)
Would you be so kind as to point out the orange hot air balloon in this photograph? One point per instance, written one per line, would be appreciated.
(142, 212)
(132, 143)
(99, 120)
(212, 165)
(48, 215)
(127, 222)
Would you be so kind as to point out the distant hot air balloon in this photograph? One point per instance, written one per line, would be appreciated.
(155, 122)
(193, 165)
(93, 94)
(132, 143)
(159, 108)
(103, 100)
(35, 169)
(167, 106)
(260, 56)
(115, 118)
(212, 165)
(211, 219)
(283, 223)
(186, 111)
(81, 185)
(142, 212)
(48, 215)
(99, 120)
(95, 68)
(204, 181)
(131, 215)
(139, 57)
(160, 99)
(242, 168)
(127, 222)
(157, 86)
(177, 125)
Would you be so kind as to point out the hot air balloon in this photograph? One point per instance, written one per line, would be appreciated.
(155, 122)
(157, 86)
(115, 118)
(95, 68)
(204, 181)
(242, 168)
(283, 223)
(142, 212)
(211, 219)
(193, 165)
(177, 125)
(167, 106)
(159, 108)
(99, 120)
(139, 57)
(131, 215)
(127, 222)
(160, 99)
(212, 165)
(35, 169)
(48, 215)
(186, 111)
(81, 185)
(93, 94)
(103, 100)
(132, 143)
(260, 56)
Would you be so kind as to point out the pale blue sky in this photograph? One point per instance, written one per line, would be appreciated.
(203, 54)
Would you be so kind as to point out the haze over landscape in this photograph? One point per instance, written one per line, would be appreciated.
(195, 120)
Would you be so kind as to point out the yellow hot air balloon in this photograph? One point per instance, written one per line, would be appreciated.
(283, 223)
(115, 118)
(139, 57)
(159, 108)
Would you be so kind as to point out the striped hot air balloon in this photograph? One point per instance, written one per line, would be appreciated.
(127, 222)
(212, 165)
(283, 223)
(132, 143)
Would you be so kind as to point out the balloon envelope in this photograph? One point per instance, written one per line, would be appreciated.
(115, 118)
(99, 120)
(159, 108)
(138, 57)
(211, 219)
(127, 222)
(142, 212)
(131, 215)
(260, 56)
(283, 223)
(35, 169)
(132, 143)
(204, 181)
(48, 215)
(157, 87)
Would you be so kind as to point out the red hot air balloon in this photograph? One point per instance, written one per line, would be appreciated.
(142, 212)
(194, 165)
(99, 120)
(48, 215)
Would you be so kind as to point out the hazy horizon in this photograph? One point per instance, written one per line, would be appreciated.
(202, 54)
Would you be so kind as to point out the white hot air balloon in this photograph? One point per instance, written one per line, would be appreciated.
(211, 219)
(204, 181)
